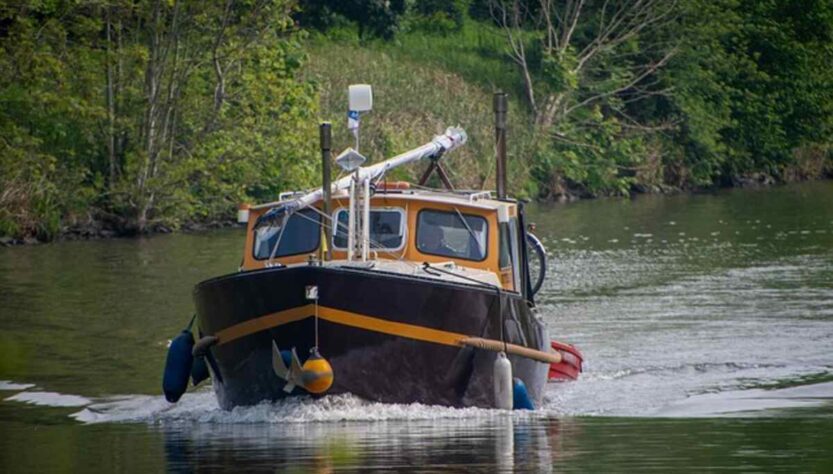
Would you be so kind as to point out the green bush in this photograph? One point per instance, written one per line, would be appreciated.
(440, 16)
(139, 115)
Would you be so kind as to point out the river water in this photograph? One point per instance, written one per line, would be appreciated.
(706, 322)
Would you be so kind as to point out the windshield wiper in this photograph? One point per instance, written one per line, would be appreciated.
(471, 232)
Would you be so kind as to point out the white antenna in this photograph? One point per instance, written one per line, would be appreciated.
(360, 99)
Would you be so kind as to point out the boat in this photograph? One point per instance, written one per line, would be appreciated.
(387, 290)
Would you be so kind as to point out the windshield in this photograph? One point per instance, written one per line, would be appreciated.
(302, 235)
(386, 229)
(452, 234)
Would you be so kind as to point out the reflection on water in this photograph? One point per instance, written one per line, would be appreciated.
(487, 444)
(706, 323)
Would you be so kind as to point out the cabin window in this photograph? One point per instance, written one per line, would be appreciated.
(302, 235)
(387, 229)
(452, 234)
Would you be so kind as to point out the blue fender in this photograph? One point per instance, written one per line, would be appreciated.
(520, 397)
(178, 366)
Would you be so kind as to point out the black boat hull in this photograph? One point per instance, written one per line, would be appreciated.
(380, 346)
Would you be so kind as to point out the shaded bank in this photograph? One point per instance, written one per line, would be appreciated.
(97, 230)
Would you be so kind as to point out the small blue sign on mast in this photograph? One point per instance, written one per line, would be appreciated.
(353, 121)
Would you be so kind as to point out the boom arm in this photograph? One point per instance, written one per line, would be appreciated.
(439, 145)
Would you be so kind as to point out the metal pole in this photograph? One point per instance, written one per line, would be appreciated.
(500, 142)
(326, 146)
(366, 221)
(351, 221)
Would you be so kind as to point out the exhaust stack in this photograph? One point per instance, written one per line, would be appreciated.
(326, 146)
(500, 142)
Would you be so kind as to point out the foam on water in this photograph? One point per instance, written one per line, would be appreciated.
(10, 386)
(660, 327)
(202, 407)
(750, 402)
(619, 393)
(50, 399)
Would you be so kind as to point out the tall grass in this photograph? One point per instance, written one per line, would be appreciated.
(478, 53)
(423, 83)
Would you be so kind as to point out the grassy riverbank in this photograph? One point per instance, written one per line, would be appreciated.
(424, 81)
(105, 131)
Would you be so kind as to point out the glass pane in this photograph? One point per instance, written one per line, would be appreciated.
(340, 236)
(516, 255)
(505, 258)
(451, 234)
(302, 235)
(386, 230)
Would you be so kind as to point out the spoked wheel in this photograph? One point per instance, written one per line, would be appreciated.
(537, 256)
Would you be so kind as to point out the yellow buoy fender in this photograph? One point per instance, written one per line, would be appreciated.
(316, 374)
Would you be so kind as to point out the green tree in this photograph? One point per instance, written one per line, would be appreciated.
(586, 67)
(373, 18)
(441, 15)
(724, 91)
(750, 87)
(148, 113)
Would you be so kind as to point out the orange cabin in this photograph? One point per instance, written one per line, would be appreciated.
(470, 231)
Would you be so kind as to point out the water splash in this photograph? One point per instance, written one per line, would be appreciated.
(50, 399)
(202, 407)
(10, 386)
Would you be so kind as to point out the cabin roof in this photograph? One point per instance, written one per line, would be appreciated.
(478, 199)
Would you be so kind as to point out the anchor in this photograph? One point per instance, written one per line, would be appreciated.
(315, 375)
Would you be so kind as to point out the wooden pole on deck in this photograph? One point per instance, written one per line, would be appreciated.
(500, 142)
(326, 147)
(498, 346)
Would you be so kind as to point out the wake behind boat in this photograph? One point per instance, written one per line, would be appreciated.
(390, 291)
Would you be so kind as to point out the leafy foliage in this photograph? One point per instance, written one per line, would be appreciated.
(148, 113)
(441, 16)
(374, 18)
(136, 114)
(726, 91)
(751, 87)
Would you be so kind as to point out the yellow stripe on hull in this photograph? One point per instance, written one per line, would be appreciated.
(345, 318)
(370, 323)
